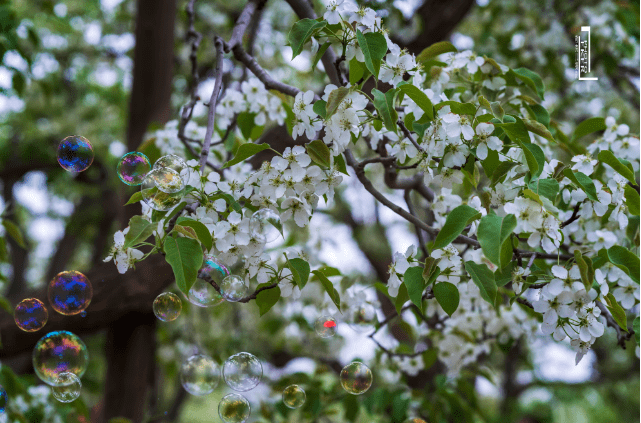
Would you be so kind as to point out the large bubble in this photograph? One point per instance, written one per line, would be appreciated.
(325, 326)
(133, 167)
(59, 352)
(67, 387)
(362, 317)
(234, 408)
(162, 189)
(242, 372)
(294, 396)
(233, 288)
(70, 293)
(265, 225)
(356, 378)
(202, 294)
(167, 306)
(75, 153)
(199, 375)
(31, 315)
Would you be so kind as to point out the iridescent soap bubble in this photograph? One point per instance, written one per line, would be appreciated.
(3, 399)
(233, 288)
(294, 396)
(162, 189)
(133, 167)
(167, 306)
(59, 352)
(362, 317)
(234, 408)
(199, 375)
(356, 378)
(75, 153)
(242, 372)
(176, 163)
(202, 294)
(31, 315)
(265, 225)
(67, 387)
(70, 293)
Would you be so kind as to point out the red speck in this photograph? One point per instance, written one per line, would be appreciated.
(329, 324)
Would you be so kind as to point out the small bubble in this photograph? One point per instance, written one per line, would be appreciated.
(167, 306)
(356, 378)
(31, 315)
(325, 326)
(362, 317)
(294, 396)
(233, 288)
(265, 225)
(70, 293)
(133, 167)
(174, 163)
(202, 294)
(242, 372)
(75, 153)
(67, 387)
(83, 314)
(199, 375)
(234, 408)
(59, 352)
(3, 399)
(162, 189)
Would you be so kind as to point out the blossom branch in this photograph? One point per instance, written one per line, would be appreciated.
(419, 232)
(241, 24)
(621, 337)
(408, 134)
(212, 103)
(575, 216)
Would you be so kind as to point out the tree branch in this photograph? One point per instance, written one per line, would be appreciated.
(621, 337)
(204, 153)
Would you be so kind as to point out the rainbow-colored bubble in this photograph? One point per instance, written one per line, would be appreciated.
(31, 315)
(70, 293)
(356, 378)
(133, 167)
(75, 153)
(162, 189)
(59, 352)
(167, 306)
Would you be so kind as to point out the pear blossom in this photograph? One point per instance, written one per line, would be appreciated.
(298, 209)
(486, 140)
(584, 164)
(626, 292)
(124, 258)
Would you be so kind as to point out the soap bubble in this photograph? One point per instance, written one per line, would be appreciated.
(233, 288)
(362, 317)
(325, 326)
(133, 167)
(31, 315)
(242, 371)
(70, 293)
(199, 375)
(265, 225)
(75, 153)
(67, 387)
(356, 378)
(162, 189)
(3, 399)
(178, 165)
(234, 408)
(202, 294)
(293, 396)
(59, 352)
(167, 306)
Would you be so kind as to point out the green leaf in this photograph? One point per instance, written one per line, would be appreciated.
(320, 108)
(246, 123)
(484, 279)
(415, 284)
(617, 312)
(548, 188)
(267, 298)
(493, 234)
(301, 32)
(203, 234)
(625, 260)
(584, 269)
(632, 200)
(540, 113)
(319, 153)
(500, 171)
(401, 298)
(539, 129)
(139, 230)
(430, 268)
(582, 181)
(515, 129)
(528, 193)
(419, 97)
(635, 327)
(503, 276)
(606, 156)
(434, 50)
(319, 54)
(185, 257)
(135, 198)
(329, 287)
(531, 79)
(588, 126)
(534, 155)
(456, 221)
(497, 110)
(6, 305)
(188, 232)
(458, 108)
(339, 164)
(384, 103)
(334, 100)
(300, 270)
(244, 152)
(14, 232)
(447, 296)
(356, 71)
(374, 47)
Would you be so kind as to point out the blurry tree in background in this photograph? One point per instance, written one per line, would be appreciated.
(138, 75)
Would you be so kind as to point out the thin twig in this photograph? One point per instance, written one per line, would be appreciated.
(408, 134)
(419, 231)
(241, 25)
(575, 216)
(204, 153)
